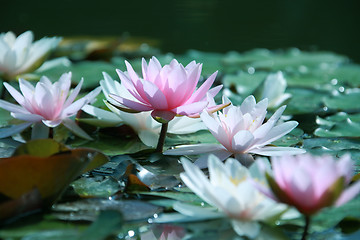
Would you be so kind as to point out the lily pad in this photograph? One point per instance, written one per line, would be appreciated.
(112, 145)
(305, 101)
(87, 210)
(90, 71)
(334, 146)
(339, 125)
(289, 60)
(96, 187)
(348, 101)
(244, 83)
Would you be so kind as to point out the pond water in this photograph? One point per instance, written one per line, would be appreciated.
(211, 25)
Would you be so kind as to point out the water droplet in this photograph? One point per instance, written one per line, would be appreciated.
(156, 216)
(303, 69)
(334, 81)
(306, 135)
(131, 233)
(341, 89)
(325, 109)
(251, 70)
(202, 204)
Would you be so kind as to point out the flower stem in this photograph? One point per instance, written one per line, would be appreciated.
(306, 228)
(40, 131)
(160, 145)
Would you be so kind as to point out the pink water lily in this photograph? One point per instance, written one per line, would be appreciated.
(241, 130)
(311, 183)
(47, 103)
(142, 123)
(166, 91)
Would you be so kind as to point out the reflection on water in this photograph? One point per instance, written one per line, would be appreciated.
(209, 25)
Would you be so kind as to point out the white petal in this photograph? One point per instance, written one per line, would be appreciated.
(149, 137)
(245, 228)
(277, 151)
(12, 107)
(28, 117)
(276, 133)
(9, 131)
(73, 127)
(222, 154)
(194, 149)
(101, 114)
(242, 141)
(197, 211)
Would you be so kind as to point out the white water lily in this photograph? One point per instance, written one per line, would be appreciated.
(142, 123)
(45, 106)
(241, 131)
(231, 191)
(274, 89)
(20, 54)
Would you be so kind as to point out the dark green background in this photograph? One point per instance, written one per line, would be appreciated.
(209, 25)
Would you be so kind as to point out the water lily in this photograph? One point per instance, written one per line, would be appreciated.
(311, 183)
(20, 54)
(230, 189)
(240, 130)
(274, 90)
(45, 106)
(166, 91)
(142, 123)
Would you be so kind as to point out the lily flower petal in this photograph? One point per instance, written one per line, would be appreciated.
(47, 103)
(241, 131)
(21, 55)
(230, 190)
(170, 88)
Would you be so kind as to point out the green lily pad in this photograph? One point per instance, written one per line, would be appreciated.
(96, 187)
(5, 117)
(112, 145)
(346, 75)
(348, 101)
(306, 81)
(289, 60)
(90, 71)
(40, 148)
(305, 101)
(87, 210)
(334, 146)
(202, 136)
(339, 125)
(211, 61)
(244, 83)
(290, 139)
(330, 217)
